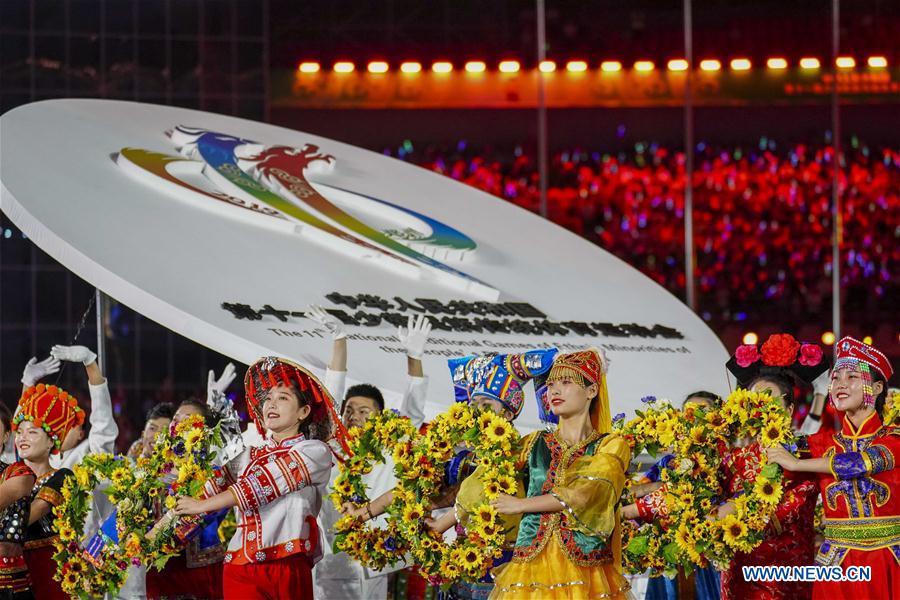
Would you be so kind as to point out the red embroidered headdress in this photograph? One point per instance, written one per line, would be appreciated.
(271, 371)
(50, 408)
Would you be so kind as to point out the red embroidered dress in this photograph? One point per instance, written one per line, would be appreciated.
(862, 508)
(789, 535)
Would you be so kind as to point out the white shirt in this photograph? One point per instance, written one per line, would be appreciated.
(279, 488)
(338, 576)
(102, 436)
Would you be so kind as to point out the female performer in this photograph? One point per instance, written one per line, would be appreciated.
(857, 477)
(569, 541)
(45, 416)
(277, 487)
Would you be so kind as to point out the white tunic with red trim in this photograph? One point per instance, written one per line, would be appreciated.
(279, 488)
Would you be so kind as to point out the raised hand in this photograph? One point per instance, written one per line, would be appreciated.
(217, 387)
(326, 320)
(415, 335)
(35, 371)
(80, 354)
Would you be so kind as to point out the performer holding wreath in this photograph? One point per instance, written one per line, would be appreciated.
(45, 416)
(569, 540)
(277, 487)
(857, 476)
(774, 367)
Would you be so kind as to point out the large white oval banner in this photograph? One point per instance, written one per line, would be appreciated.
(226, 230)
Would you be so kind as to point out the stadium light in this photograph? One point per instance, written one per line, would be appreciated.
(411, 67)
(877, 62)
(442, 67)
(776, 64)
(740, 64)
(309, 67)
(475, 66)
(547, 66)
(509, 66)
(378, 66)
(610, 66)
(576, 66)
(344, 67)
(644, 66)
(710, 65)
(677, 64)
(845, 62)
(809, 62)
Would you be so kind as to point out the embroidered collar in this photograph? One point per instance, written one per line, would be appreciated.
(271, 442)
(594, 435)
(869, 427)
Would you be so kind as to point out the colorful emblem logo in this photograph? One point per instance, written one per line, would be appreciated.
(272, 183)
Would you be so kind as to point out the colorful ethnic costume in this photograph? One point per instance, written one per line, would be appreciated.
(15, 582)
(575, 553)
(860, 496)
(705, 582)
(279, 488)
(56, 412)
(500, 378)
(789, 536)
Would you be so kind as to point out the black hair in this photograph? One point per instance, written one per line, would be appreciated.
(714, 399)
(882, 397)
(208, 417)
(163, 410)
(366, 390)
(5, 417)
(304, 398)
(779, 378)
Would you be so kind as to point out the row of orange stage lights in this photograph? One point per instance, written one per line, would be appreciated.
(580, 66)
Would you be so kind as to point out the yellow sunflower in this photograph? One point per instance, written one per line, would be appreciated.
(413, 512)
(498, 430)
(772, 433)
(734, 530)
(769, 492)
(484, 420)
(484, 514)
(119, 476)
(507, 485)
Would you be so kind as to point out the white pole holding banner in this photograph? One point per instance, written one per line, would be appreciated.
(542, 105)
(836, 220)
(689, 260)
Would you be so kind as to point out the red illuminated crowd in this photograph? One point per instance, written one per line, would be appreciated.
(762, 216)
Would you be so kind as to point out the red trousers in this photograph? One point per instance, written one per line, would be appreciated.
(176, 580)
(42, 568)
(281, 579)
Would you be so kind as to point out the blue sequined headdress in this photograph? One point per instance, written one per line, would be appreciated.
(500, 377)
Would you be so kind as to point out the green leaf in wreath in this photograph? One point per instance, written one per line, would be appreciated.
(671, 552)
(638, 545)
(771, 471)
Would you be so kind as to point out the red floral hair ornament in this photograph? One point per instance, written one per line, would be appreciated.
(781, 354)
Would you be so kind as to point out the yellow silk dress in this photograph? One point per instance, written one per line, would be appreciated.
(576, 553)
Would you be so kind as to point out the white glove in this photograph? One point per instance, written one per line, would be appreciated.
(415, 335)
(326, 320)
(216, 387)
(822, 383)
(35, 371)
(73, 354)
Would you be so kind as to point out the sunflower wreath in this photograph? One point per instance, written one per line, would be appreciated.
(419, 468)
(372, 546)
(92, 568)
(693, 487)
